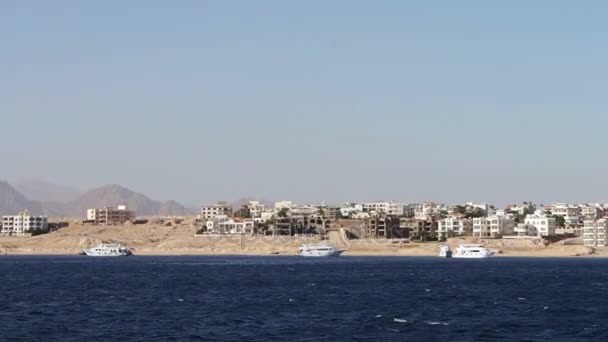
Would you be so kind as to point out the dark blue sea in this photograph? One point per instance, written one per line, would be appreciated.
(297, 299)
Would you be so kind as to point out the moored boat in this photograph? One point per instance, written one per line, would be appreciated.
(108, 249)
(319, 251)
(472, 252)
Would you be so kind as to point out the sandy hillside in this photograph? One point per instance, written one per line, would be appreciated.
(178, 238)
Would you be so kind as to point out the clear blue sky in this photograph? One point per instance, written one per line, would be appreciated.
(497, 101)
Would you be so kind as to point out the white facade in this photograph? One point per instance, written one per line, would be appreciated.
(425, 210)
(282, 205)
(482, 206)
(493, 226)
(223, 225)
(592, 211)
(595, 233)
(349, 209)
(544, 225)
(563, 209)
(23, 224)
(570, 213)
(454, 225)
(389, 208)
(524, 230)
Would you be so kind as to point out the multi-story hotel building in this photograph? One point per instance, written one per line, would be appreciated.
(454, 225)
(595, 233)
(544, 225)
(493, 226)
(219, 209)
(118, 215)
(23, 224)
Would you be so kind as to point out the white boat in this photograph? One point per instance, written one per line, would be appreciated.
(108, 249)
(445, 251)
(472, 252)
(319, 251)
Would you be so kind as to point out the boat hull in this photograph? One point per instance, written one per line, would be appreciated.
(473, 256)
(321, 254)
(95, 254)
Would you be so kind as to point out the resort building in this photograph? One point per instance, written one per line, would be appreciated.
(388, 208)
(224, 225)
(543, 224)
(350, 209)
(383, 227)
(493, 226)
(595, 233)
(282, 205)
(452, 226)
(24, 224)
(118, 215)
(422, 229)
(526, 230)
(570, 213)
(592, 211)
(425, 211)
(219, 209)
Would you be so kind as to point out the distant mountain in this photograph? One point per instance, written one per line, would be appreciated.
(12, 202)
(42, 191)
(114, 195)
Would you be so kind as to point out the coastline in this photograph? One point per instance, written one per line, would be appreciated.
(180, 240)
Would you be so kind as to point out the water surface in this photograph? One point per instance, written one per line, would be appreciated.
(289, 299)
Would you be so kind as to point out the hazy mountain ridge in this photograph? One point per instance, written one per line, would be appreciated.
(12, 202)
(42, 191)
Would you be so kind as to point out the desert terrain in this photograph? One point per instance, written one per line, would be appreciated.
(178, 238)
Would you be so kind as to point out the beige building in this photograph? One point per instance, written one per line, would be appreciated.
(595, 233)
(454, 225)
(213, 211)
(118, 215)
(493, 226)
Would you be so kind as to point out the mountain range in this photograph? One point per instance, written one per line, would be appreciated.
(58, 204)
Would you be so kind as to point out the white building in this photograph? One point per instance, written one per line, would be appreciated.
(595, 233)
(493, 226)
(482, 206)
(219, 209)
(592, 211)
(570, 213)
(303, 210)
(454, 225)
(425, 210)
(543, 224)
(389, 208)
(525, 230)
(349, 209)
(224, 225)
(24, 224)
(282, 205)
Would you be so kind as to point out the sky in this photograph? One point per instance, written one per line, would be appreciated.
(198, 101)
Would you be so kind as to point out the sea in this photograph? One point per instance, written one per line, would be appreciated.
(283, 298)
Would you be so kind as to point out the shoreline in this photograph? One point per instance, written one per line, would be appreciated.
(180, 240)
(347, 254)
